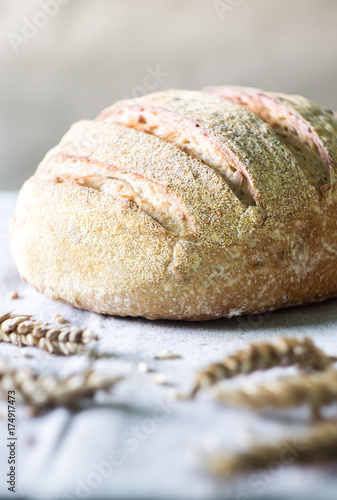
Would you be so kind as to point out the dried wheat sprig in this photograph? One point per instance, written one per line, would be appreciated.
(315, 389)
(65, 339)
(263, 355)
(41, 391)
(318, 447)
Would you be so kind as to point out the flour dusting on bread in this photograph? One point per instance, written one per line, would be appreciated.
(186, 205)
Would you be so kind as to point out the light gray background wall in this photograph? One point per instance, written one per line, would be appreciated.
(92, 52)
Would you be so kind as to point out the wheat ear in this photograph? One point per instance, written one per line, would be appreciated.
(263, 355)
(23, 330)
(42, 391)
(315, 389)
(319, 447)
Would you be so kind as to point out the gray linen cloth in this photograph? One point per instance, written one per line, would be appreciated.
(137, 443)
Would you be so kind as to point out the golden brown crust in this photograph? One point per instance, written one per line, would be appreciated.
(307, 129)
(118, 152)
(255, 150)
(128, 222)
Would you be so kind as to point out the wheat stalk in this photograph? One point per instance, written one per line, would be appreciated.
(23, 330)
(320, 446)
(41, 391)
(263, 355)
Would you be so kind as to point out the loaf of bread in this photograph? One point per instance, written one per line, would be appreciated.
(186, 205)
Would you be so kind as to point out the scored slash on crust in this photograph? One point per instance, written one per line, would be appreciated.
(188, 135)
(298, 134)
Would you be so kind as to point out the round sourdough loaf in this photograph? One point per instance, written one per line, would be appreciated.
(186, 205)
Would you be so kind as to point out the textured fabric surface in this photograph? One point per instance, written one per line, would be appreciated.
(137, 444)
